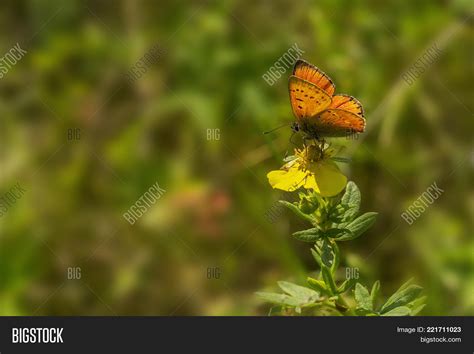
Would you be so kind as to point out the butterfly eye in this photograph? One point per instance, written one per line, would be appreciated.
(295, 127)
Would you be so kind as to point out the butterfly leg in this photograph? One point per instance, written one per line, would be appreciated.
(321, 143)
(305, 139)
(291, 139)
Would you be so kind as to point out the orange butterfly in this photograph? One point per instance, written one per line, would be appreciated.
(319, 113)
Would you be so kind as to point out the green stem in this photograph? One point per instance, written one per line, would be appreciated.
(343, 302)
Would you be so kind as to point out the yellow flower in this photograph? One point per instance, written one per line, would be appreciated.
(311, 169)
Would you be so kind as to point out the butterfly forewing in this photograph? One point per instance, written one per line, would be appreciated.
(310, 73)
(307, 99)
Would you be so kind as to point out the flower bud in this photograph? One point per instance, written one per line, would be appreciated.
(307, 206)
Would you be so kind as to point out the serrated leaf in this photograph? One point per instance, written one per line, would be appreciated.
(310, 235)
(362, 297)
(351, 201)
(300, 292)
(297, 211)
(374, 293)
(402, 297)
(358, 226)
(398, 311)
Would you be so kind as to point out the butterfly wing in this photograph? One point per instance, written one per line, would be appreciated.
(321, 113)
(335, 122)
(306, 98)
(347, 103)
(310, 73)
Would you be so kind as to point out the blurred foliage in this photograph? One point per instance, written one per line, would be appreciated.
(214, 213)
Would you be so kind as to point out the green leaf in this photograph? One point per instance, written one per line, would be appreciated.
(359, 226)
(402, 297)
(374, 293)
(326, 254)
(328, 279)
(318, 285)
(351, 201)
(336, 233)
(337, 256)
(300, 292)
(417, 305)
(346, 285)
(294, 208)
(310, 235)
(405, 285)
(398, 311)
(279, 299)
(416, 310)
(362, 297)
(336, 214)
(316, 257)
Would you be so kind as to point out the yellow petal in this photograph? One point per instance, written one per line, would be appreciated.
(287, 180)
(311, 183)
(328, 177)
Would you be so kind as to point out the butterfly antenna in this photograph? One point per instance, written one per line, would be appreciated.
(281, 126)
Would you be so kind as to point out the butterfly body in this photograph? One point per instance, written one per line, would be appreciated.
(319, 113)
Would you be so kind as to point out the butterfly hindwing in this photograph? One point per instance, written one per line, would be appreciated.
(337, 123)
(310, 73)
(347, 103)
(307, 99)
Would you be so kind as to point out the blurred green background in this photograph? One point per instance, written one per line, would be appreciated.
(214, 214)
